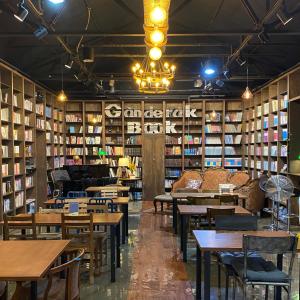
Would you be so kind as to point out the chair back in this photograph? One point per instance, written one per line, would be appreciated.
(212, 213)
(202, 201)
(82, 207)
(21, 227)
(236, 222)
(100, 205)
(76, 194)
(71, 269)
(77, 226)
(272, 245)
(110, 192)
(227, 199)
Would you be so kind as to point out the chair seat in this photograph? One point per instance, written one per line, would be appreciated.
(259, 270)
(226, 257)
(164, 197)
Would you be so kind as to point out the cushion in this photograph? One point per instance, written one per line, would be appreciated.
(164, 197)
(226, 257)
(193, 184)
(259, 270)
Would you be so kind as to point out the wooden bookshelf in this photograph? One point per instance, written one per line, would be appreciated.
(23, 141)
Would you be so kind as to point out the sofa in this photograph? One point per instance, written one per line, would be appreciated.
(210, 180)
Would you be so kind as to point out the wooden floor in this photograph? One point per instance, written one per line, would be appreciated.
(157, 269)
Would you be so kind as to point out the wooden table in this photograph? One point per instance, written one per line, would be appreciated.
(176, 196)
(129, 180)
(211, 241)
(122, 202)
(111, 219)
(99, 189)
(28, 260)
(186, 211)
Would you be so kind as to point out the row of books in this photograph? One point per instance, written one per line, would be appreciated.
(58, 127)
(48, 126)
(19, 199)
(58, 151)
(92, 118)
(28, 121)
(5, 170)
(6, 205)
(58, 115)
(173, 139)
(16, 118)
(215, 140)
(28, 105)
(74, 118)
(114, 140)
(213, 117)
(282, 153)
(174, 150)
(40, 123)
(48, 112)
(233, 139)
(133, 151)
(28, 150)
(39, 109)
(16, 150)
(76, 151)
(193, 151)
(233, 128)
(5, 114)
(74, 140)
(5, 152)
(59, 162)
(213, 162)
(17, 168)
(134, 140)
(114, 150)
(18, 184)
(4, 131)
(173, 162)
(234, 117)
(172, 172)
(6, 187)
(29, 135)
(3, 96)
(189, 139)
(233, 162)
(74, 129)
(213, 128)
(94, 129)
(93, 140)
(17, 100)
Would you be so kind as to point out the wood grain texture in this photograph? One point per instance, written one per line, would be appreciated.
(118, 200)
(28, 260)
(153, 165)
(203, 195)
(158, 271)
(212, 240)
(107, 188)
(202, 209)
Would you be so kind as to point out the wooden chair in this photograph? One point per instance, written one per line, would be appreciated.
(3, 290)
(227, 199)
(213, 212)
(82, 207)
(19, 227)
(55, 286)
(80, 230)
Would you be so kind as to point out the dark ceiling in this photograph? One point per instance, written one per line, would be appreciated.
(198, 30)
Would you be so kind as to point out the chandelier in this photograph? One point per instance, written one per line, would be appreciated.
(153, 76)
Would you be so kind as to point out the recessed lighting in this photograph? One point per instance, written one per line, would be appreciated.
(56, 1)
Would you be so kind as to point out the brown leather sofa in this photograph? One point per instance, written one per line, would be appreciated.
(210, 178)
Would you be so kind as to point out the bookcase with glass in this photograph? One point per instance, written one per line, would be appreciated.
(133, 120)
(193, 132)
(93, 132)
(114, 137)
(75, 146)
(174, 146)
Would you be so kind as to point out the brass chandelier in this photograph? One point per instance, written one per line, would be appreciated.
(153, 76)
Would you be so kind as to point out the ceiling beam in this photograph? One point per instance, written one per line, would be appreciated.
(250, 11)
(128, 9)
(141, 35)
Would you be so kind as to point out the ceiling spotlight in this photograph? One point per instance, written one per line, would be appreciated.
(88, 54)
(209, 68)
(226, 74)
(76, 77)
(69, 63)
(198, 82)
(22, 12)
(220, 83)
(240, 61)
(284, 19)
(155, 53)
(208, 88)
(56, 1)
(41, 32)
(263, 37)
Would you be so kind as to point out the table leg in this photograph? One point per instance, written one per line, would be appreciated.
(126, 218)
(123, 225)
(181, 233)
(207, 275)
(118, 232)
(175, 215)
(198, 273)
(33, 290)
(184, 238)
(112, 253)
(279, 266)
(244, 203)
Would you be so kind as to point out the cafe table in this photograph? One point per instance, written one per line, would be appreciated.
(103, 219)
(186, 211)
(122, 202)
(209, 241)
(98, 189)
(19, 261)
(182, 195)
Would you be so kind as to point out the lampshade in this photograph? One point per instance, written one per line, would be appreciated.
(123, 162)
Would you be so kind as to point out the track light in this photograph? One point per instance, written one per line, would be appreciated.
(69, 63)
(22, 12)
(88, 54)
(209, 68)
(41, 32)
(198, 82)
(76, 77)
(284, 19)
(56, 1)
(263, 37)
(240, 61)
(220, 83)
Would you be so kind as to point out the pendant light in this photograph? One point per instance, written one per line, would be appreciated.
(247, 93)
(62, 97)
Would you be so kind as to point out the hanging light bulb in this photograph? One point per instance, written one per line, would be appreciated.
(62, 97)
(155, 53)
(158, 15)
(157, 37)
(213, 115)
(247, 93)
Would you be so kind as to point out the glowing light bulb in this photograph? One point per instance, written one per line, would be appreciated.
(247, 94)
(166, 65)
(133, 69)
(137, 65)
(155, 53)
(157, 84)
(141, 71)
(94, 120)
(157, 37)
(152, 64)
(158, 15)
(173, 68)
(138, 81)
(164, 80)
(149, 79)
(143, 83)
(213, 115)
(62, 96)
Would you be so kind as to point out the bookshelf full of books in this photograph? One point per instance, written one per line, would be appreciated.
(266, 130)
